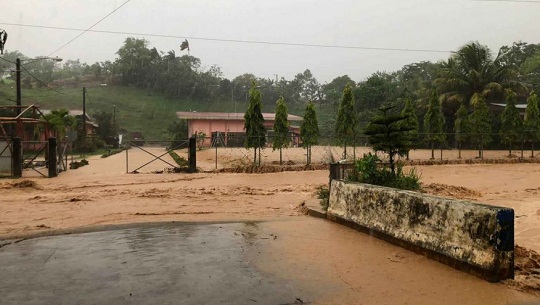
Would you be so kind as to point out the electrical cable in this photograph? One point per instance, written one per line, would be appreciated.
(7, 60)
(93, 25)
(233, 40)
(41, 82)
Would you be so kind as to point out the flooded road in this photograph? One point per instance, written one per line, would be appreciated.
(175, 264)
(286, 261)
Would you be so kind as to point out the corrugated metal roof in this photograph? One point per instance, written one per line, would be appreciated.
(89, 120)
(227, 116)
(518, 106)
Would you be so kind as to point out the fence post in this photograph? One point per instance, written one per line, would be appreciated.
(334, 173)
(216, 157)
(482, 146)
(522, 146)
(127, 159)
(53, 170)
(16, 158)
(192, 156)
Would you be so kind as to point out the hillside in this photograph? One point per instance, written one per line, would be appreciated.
(136, 109)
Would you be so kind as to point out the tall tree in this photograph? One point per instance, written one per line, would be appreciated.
(511, 122)
(61, 121)
(472, 73)
(333, 90)
(434, 123)
(388, 133)
(346, 120)
(461, 126)
(411, 121)
(377, 90)
(254, 123)
(532, 121)
(480, 123)
(107, 130)
(133, 61)
(309, 130)
(281, 128)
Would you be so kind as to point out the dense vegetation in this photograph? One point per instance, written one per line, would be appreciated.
(148, 86)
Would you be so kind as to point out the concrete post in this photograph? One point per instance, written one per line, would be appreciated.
(53, 170)
(16, 158)
(192, 157)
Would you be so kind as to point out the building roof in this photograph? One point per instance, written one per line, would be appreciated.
(194, 115)
(518, 106)
(75, 113)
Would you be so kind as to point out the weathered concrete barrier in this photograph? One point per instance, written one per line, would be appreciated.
(472, 237)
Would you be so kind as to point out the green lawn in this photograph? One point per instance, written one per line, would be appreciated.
(136, 110)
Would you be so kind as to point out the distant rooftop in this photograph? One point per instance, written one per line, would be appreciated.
(70, 112)
(518, 106)
(74, 113)
(227, 116)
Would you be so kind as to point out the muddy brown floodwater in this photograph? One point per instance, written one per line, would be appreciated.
(102, 193)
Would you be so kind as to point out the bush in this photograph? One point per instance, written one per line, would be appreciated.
(181, 161)
(369, 170)
(112, 152)
(77, 164)
(323, 193)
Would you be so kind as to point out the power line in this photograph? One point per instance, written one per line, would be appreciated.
(54, 93)
(7, 60)
(232, 40)
(41, 82)
(524, 1)
(84, 31)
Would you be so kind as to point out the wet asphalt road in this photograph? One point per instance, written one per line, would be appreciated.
(170, 264)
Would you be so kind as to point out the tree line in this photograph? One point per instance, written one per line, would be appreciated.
(471, 77)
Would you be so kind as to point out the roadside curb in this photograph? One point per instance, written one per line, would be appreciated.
(311, 208)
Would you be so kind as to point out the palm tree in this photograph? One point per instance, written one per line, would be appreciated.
(472, 72)
(171, 55)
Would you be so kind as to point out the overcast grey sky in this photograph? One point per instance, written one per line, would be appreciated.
(406, 24)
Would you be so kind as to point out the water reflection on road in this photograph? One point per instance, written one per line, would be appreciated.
(288, 261)
(173, 264)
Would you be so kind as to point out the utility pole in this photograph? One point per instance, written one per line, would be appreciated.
(18, 80)
(114, 119)
(84, 112)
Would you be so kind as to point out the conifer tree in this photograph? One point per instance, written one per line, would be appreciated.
(411, 122)
(346, 120)
(532, 121)
(309, 130)
(511, 123)
(254, 123)
(387, 133)
(480, 123)
(281, 128)
(461, 126)
(434, 123)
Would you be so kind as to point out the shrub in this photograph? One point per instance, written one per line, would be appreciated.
(181, 161)
(323, 193)
(369, 170)
(112, 152)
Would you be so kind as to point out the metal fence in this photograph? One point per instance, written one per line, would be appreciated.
(6, 164)
(215, 154)
(156, 156)
(35, 156)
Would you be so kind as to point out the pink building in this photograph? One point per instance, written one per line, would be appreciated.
(227, 129)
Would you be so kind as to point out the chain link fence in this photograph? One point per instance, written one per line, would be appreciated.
(216, 153)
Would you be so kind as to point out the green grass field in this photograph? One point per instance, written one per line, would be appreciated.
(136, 109)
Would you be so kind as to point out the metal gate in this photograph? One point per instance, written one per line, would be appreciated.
(145, 145)
(62, 152)
(6, 162)
(35, 156)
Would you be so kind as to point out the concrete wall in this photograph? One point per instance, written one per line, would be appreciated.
(472, 237)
